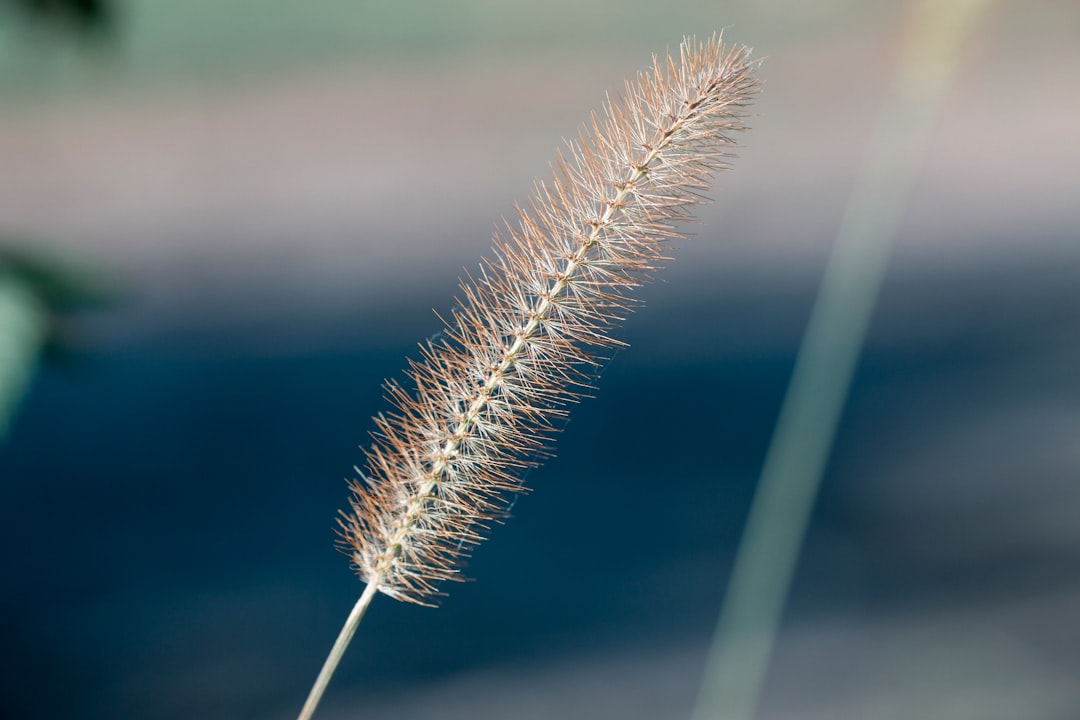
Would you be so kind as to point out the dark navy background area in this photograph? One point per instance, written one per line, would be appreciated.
(168, 508)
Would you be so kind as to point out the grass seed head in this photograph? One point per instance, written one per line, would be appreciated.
(531, 327)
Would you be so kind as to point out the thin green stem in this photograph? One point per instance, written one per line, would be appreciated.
(802, 441)
(342, 642)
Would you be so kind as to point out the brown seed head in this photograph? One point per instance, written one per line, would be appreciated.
(528, 329)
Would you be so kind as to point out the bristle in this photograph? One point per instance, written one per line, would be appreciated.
(531, 327)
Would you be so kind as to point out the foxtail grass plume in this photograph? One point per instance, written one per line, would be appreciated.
(529, 327)
(532, 324)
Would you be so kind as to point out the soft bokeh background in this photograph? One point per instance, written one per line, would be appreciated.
(280, 193)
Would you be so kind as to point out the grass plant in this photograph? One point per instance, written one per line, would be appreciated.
(532, 325)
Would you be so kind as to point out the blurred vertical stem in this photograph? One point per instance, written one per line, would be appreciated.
(826, 361)
(23, 325)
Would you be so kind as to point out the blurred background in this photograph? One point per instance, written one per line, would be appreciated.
(240, 216)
